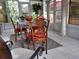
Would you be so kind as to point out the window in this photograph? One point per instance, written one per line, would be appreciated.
(58, 5)
(74, 13)
(51, 10)
(12, 10)
(25, 9)
(58, 11)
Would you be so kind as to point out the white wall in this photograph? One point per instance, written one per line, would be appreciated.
(73, 31)
(57, 27)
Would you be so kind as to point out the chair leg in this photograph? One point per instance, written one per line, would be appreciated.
(33, 44)
(15, 37)
(28, 46)
(46, 45)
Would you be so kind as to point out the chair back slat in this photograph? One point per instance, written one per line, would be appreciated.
(40, 22)
(13, 23)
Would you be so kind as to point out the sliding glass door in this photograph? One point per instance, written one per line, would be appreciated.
(55, 13)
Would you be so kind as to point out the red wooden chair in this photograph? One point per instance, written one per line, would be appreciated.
(39, 32)
(29, 18)
(29, 31)
(17, 29)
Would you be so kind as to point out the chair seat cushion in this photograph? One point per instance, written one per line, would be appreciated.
(19, 29)
(36, 36)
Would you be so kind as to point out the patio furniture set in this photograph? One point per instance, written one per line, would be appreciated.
(32, 32)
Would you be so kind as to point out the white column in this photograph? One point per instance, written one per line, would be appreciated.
(30, 7)
(48, 16)
(65, 15)
(20, 11)
(44, 9)
(54, 14)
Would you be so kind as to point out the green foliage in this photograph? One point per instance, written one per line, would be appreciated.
(12, 10)
(36, 7)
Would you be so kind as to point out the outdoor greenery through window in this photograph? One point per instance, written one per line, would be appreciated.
(16, 9)
(12, 10)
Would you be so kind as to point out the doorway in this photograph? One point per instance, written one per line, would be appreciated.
(55, 13)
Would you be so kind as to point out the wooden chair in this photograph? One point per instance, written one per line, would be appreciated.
(28, 18)
(29, 30)
(39, 32)
(18, 29)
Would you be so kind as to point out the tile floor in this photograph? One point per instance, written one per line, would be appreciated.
(69, 50)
